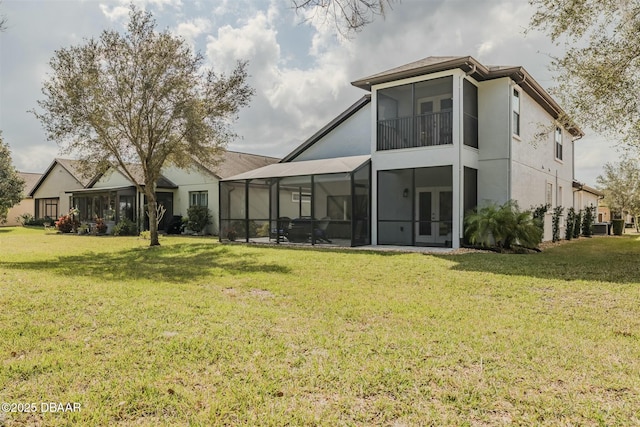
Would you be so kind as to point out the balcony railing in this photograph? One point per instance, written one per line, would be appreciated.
(419, 131)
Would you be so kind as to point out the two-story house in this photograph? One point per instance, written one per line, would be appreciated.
(402, 166)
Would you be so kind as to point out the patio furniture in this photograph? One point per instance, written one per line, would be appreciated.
(282, 228)
(301, 231)
(320, 232)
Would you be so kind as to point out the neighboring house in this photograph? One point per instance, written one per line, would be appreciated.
(50, 192)
(605, 214)
(434, 139)
(585, 196)
(113, 196)
(26, 205)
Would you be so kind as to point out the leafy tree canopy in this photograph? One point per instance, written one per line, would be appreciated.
(11, 185)
(599, 74)
(142, 97)
(620, 184)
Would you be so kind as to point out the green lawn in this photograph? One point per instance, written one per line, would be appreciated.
(200, 333)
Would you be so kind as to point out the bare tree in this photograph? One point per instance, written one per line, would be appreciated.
(140, 98)
(348, 15)
(3, 22)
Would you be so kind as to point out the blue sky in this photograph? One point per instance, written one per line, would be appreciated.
(300, 68)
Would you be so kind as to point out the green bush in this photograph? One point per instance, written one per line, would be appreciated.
(101, 227)
(587, 220)
(503, 227)
(577, 224)
(25, 219)
(264, 230)
(241, 230)
(125, 227)
(571, 220)
(67, 224)
(37, 221)
(199, 218)
(555, 221)
(618, 226)
(538, 214)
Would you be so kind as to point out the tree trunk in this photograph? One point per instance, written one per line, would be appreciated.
(151, 212)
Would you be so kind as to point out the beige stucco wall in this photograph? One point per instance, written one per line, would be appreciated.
(112, 178)
(55, 185)
(26, 206)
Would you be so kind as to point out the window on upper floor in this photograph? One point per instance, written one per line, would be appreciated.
(516, 111)
(415, 115)
(558, 142)
(199, 198)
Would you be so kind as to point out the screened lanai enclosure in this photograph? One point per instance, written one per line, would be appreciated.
(418, 208)
(308, 202)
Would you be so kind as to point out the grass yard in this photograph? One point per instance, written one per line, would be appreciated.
(200, 333)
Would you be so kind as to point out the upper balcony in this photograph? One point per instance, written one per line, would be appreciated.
(424, 130)
(415, 115)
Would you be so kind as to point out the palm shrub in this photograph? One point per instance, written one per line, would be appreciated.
(199, 218)
(503, 227)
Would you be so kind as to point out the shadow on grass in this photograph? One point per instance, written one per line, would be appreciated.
(605, 259)
(175, 263)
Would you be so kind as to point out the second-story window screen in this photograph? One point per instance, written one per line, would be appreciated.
(558, 143)
(516, 112)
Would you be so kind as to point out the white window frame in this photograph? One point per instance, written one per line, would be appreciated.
(516, 99)
(548, 197)
(295, 197)
(558, 146)
(197, 197)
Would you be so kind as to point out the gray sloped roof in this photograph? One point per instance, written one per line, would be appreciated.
(412, 69)
(235, 162)
(138, 174)
(30, 180)
(579, 186)
(475, 69)
(71, 166)
(307, 167)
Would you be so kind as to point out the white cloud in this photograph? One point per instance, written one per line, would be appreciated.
(190, 30)
(291, 103)
(120, 11)
(34, 158)
(115, 13)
